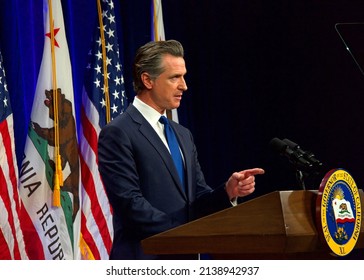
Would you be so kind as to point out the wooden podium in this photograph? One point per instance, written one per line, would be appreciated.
(279, 225)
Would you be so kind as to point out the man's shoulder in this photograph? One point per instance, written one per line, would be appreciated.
(131, 113)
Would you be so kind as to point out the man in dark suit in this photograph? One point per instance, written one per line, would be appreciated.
(141, 180)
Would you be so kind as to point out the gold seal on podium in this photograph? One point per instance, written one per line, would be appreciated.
(339, 211)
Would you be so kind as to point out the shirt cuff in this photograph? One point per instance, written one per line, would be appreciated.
(234, 201)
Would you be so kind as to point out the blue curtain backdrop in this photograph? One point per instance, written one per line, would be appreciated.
(256, 70)
(22, 39)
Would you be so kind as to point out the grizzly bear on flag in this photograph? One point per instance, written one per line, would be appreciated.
(68, 147)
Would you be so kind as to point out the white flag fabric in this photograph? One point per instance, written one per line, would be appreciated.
(52, 232)
(158, 33)
(158, 24)
(342, 210)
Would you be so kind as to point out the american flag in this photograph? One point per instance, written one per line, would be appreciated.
(96, 220)
(11, 236)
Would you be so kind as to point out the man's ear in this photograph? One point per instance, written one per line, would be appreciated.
(147, 81)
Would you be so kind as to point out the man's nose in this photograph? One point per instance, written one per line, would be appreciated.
(183, 84)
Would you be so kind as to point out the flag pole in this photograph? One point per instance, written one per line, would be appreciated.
(104, 64)
(58, 176)
(156, 34)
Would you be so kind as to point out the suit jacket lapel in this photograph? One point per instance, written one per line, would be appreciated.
(149, 133)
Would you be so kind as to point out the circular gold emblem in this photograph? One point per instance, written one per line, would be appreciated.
(340, 211)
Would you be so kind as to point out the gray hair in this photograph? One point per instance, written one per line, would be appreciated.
(148, 59)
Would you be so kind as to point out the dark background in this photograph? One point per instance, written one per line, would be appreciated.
(256, 70)
(265, 69)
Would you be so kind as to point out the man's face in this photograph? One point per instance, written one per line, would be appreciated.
(169, 86)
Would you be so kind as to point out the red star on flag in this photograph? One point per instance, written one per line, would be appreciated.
(55, 33)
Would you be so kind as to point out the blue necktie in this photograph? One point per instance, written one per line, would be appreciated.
(174, 148)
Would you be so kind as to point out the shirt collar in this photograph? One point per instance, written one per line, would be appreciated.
(149, 113)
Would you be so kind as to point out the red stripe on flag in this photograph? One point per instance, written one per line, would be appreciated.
(93, 237)
(32, 241)
(89, 131)
(6, 199)
(90, 188)
(87, 236)
(9, 188)
(4, 128)
(4, 249)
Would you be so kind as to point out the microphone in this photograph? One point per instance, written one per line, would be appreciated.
(295, 157)
(306, 154)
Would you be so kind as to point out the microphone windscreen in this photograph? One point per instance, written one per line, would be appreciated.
(277, 145)
(290, 143)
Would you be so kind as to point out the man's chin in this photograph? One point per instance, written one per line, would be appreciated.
(173, 107)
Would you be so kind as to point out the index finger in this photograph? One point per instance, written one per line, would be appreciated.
(252, 172)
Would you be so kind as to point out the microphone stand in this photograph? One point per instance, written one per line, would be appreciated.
(300, 179)
(302, 168)
(302, 175)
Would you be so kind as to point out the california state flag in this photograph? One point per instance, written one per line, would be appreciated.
(342, 211)
(49, 175)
